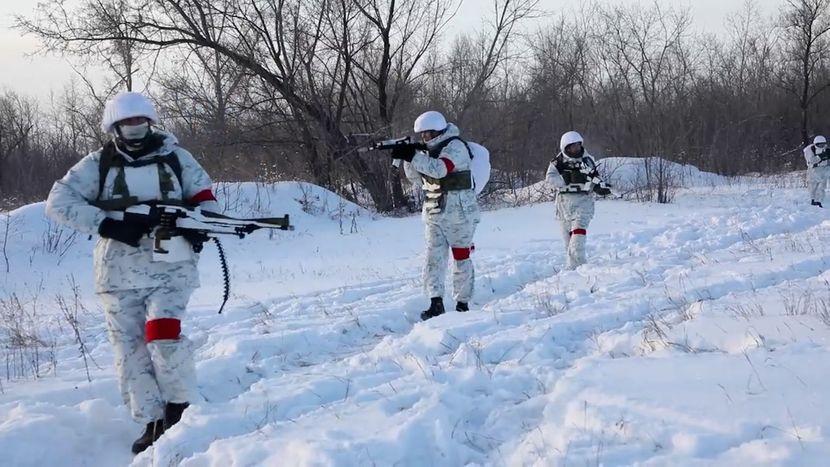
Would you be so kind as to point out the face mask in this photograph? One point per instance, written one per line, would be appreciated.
(574, 150)
(134, 133)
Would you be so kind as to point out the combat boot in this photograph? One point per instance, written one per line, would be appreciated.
(436, 307)
(153, 432)
(173, 413)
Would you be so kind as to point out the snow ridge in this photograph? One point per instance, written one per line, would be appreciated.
(698, 334)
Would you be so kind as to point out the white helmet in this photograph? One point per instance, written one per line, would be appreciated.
(127, 105)
(568, 138)
(430, 121)
(819, 140)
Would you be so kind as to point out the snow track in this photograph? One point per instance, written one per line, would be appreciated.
(683, 309)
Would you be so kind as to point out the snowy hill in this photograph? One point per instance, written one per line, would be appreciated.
(699, 334)
(629, 176)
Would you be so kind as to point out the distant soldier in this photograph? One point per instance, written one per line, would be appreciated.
(818, 169)
(451, 211)
(573, 173)
(144, 300)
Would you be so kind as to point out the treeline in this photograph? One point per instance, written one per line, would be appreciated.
(278, 89)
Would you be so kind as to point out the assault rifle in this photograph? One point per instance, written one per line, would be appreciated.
(181, 228)
(386, 145)
(390, 144)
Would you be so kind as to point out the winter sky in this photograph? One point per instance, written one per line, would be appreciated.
(38, 75)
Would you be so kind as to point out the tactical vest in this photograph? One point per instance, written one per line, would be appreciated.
(571, 171)
(436, 188)
(121, 198)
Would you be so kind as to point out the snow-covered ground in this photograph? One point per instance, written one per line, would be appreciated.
(699, 334)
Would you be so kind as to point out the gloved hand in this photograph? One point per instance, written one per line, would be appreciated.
(123, 231)
(403, 152)
(577, 177)
(602, 190)
(141, 221)
(197, 239)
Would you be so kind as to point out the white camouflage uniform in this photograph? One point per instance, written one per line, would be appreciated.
(452, 226)
(143, 299)
(574, 202)
(818, 170)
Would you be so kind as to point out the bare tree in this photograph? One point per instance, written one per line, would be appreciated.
(806, 26)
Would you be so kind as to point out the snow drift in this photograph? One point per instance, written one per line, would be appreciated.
(698, 334)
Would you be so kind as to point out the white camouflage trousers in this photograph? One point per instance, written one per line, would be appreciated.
(574, 212)
(153, 360)
(442, 238)
(817, 182)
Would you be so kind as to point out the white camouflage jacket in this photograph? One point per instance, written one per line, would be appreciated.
(812, 159)
(461, 205)
(119, 266)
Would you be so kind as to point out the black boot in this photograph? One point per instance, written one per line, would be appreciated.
(153, 432)
(436, 307)
(173, 413)
(815, 203)
(462, 306)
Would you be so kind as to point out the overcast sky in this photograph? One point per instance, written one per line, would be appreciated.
(39, 75)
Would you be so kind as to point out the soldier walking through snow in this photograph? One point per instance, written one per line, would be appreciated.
(573, 173)
(450, 210)
(818, 169)
(144, 300)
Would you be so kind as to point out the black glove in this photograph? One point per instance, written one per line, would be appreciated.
(602, 190)
(197, 239)
(123, 231)
(577, 177)
(404, 152)
(142, 221)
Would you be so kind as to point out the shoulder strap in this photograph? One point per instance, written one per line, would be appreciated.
(110, 158)
(436, 151)
(589, 162)
(176, 166)
(108, 155)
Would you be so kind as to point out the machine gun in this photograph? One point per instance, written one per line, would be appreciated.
(181, 228)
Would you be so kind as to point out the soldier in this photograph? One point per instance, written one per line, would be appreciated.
(450, 211)
(818, 169)
(144, 300)
(573, 173)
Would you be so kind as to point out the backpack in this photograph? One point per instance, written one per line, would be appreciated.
(479, 166)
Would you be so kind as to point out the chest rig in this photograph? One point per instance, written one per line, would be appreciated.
(121, 197)
(577, 173)
(436, 188)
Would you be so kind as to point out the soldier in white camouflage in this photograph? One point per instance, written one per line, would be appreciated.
(450, 211)
(144, 300)
(818, 169)
(573, 174)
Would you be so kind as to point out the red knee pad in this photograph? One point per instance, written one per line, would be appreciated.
(162, 328)
(460, 254)
(579, 232)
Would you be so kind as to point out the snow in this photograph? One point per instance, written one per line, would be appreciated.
(698, 334)
(627, 172)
